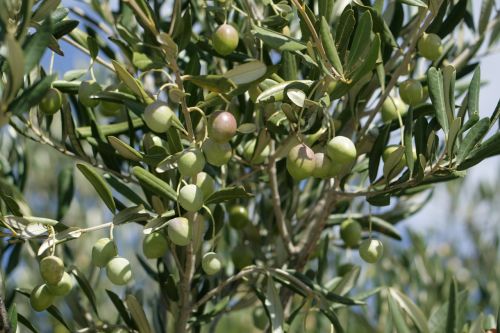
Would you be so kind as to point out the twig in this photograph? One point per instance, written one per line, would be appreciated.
(185, 305)
(81, 48)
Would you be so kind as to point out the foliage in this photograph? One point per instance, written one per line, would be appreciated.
(300, 147)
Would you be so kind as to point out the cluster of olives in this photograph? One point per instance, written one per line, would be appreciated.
(105, 254)
(370, 250)
(335, 159)
(57, 283)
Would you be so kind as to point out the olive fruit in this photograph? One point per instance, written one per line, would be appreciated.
(52, 269)
(371, 250)
(211, 263)
(190, 162)
(350, 232)
(222, 126)
(63, 287)
(242, 256)
(392, 107)
(157, 116)
(108, 108)
(430, 46)
(411, 92)
(324, 166)
(103, 251)
(118, 271)
(389, 150)
(238, 217)
(87, 89)
(341, 151)
(217, 154)
(248, 150)
(51, 102)
(41, 298)
(179, 231)
(259, 317)
(206, 183)
(190, 198)
(225, 39)
(154, 245)
(300, 162)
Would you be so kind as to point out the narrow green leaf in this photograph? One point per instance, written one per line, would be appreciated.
(86, 288)
(367, 64)
(449, 77)
(417, 3)
(348, 281)
(453, 315)
(12, 320)
(488, 148)
(138, 314)
(228, 193)
(411, 309)
(408, 140)
(472, 139)
(276, 40)
(473, 100)
(360, 40)
(35, 46)
(120, 307)
(124, 149)
(15, 59)
(274, 307)
(329, 45)
(397, 316)
(484, 17)
(26, 323)
(391, 164)
(377, 151)
(154, 184)
(452, 136)
(65, 191)
(99, 185)
(31, 96)
(215, 83)
(435, 80)
(131, 82)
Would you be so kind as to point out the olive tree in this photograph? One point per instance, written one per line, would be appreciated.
(253, 142)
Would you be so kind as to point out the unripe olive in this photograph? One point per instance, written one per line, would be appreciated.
(206, 183)
(51, 102)
(211, 263)
(108, 108)
(175, 95)
(118, 271)
(248, 150)
(324, 165)
(87, 89)
(402, 163)
(179, 231)
(217, 154)
(430, 46)
(371, 250)
(63, 287)
(41, 298)
(259, 317)
(103, 251)
(154, 245)
(190, 162)
(411, 92)
(350, 232)
(300, 162)
(391, 107)
(342, 151)
(225, 39)
(222, 126)
(190, 198)
(238, 217)
(52, 269)
(242, 256)
(157, 116)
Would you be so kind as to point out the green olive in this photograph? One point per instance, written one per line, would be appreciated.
(391, 107)
(411, 92)
(222, 126)
(108, 108)
(190, 198)
(157, 116)
(225, 39)
(103, 251)
(350, 232)
(389, 150)
(238, 217)
(179, 231)
(190, 162)
(154, 245)
(217, 154)
(206, 183)
(87, 89)
(248, 150)
(118, 271)
(41, 298)
(371, 250)
(300, 162)
(211, 263)
(430, 46)
(52, 269)
(324, 166)
(242, 256)
(63, 287)
(260, 319)
(342, 152)
(51, 102)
